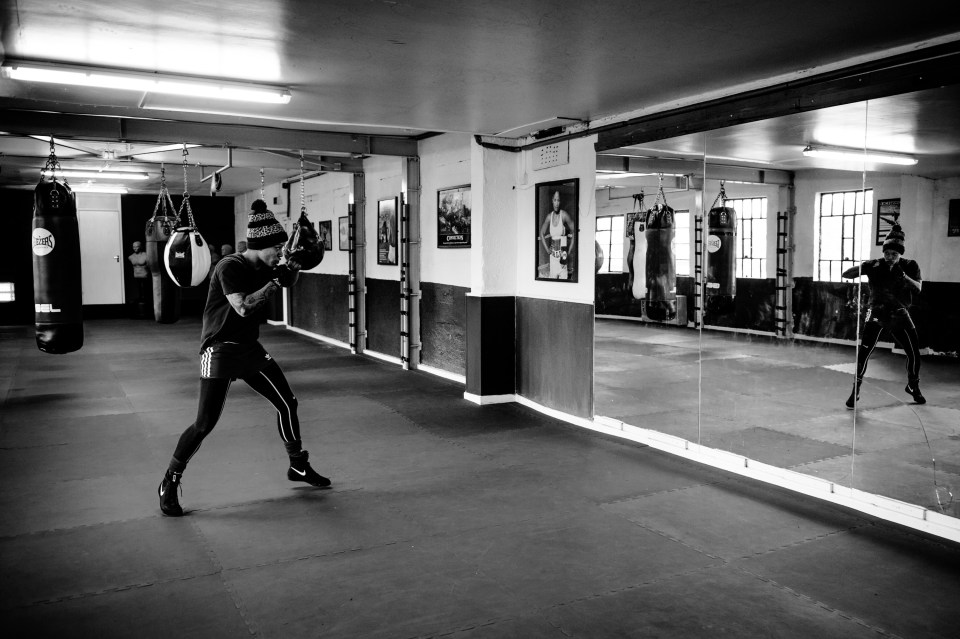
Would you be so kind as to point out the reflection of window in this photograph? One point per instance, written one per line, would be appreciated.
(6, 292)
(846, 219)
(751, 236)
(610, 237)
(681, 241)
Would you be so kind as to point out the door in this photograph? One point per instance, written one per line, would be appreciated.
(101, 256)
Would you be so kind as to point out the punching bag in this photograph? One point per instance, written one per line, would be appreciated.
(638, 256)
(304, 246)
(721, 251)
(186, 257)
(166, 294)
(660, 270)
(57, 292)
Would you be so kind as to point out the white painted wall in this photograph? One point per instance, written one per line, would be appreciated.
(944, 260)
(445, 162)
(493, 258)
(383, 179)
(582, 165)
(326, 198)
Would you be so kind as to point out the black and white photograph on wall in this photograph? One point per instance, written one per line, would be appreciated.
(453, 217)
(557, 222)
(344, 223)
(888, 213)
(387, 231)
(326, 234)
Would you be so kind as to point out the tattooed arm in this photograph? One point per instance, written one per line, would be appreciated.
(246, 305)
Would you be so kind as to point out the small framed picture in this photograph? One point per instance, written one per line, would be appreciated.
(557, 225)
(387, 231)
(888, 212)
(453, 217)
(344, 223)
(326, 234)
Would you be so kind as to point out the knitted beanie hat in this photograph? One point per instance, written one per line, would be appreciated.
(895, 239)
(263, 230)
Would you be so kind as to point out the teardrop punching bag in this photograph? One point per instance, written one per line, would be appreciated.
(721, 251)
(57, 292)
(660, 270)
(304, 245)
(166, 294)
(187, 257)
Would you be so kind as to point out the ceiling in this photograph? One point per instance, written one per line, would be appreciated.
(372, 76)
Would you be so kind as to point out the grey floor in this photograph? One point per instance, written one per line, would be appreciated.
(446, 519)
(783, 403)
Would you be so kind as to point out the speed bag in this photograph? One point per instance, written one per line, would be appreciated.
(186, 257)
(660, 270)
(57, 292)
(304, 245)
(721, 251)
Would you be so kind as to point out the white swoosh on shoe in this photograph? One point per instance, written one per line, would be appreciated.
(302, 473)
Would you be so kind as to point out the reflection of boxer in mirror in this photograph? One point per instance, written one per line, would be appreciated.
(557, 237)
(893, 281)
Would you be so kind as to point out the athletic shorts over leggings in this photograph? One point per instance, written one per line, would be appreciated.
(220, 365)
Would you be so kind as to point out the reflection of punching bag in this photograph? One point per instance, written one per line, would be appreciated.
(57, 292)
(166, 294)
(721, 251)
(660, 270)
(639, 259)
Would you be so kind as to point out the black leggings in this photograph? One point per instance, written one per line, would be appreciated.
(269, 382)
(906, 336)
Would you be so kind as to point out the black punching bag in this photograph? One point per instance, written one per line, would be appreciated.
(57, 292)
(166, 293)
(722, 252)
(660, 269)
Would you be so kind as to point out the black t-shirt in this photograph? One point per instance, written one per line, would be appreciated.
(221, 323)
(888, 292)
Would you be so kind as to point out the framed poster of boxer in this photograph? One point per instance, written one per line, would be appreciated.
(453, 217)
(387, 231)
(557, 223)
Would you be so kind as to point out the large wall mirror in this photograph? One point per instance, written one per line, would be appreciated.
(753, 350)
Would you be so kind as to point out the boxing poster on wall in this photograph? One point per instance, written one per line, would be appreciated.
(326, 234)
(888, 213)
(387, 231)
(344, 223)
(453, 217)
(557, 223)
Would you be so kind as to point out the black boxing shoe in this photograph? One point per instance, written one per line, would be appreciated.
(854, 396)
(913, 388)
(300, 470)
(169, 486)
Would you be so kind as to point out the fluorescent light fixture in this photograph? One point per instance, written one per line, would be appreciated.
(859, 155)
(98, 188)
(105, 175)
(144, 82)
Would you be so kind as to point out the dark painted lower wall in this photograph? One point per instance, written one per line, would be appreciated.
(555, 354)
(491, 360)
(443, 325)
(383, 316)
(820, 309)
(319, 303)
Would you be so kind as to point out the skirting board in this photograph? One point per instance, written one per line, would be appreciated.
(439, 372)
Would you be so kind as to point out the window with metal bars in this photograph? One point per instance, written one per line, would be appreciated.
(751, 236)
(7, 293)
(610, 237)
(845, 222)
